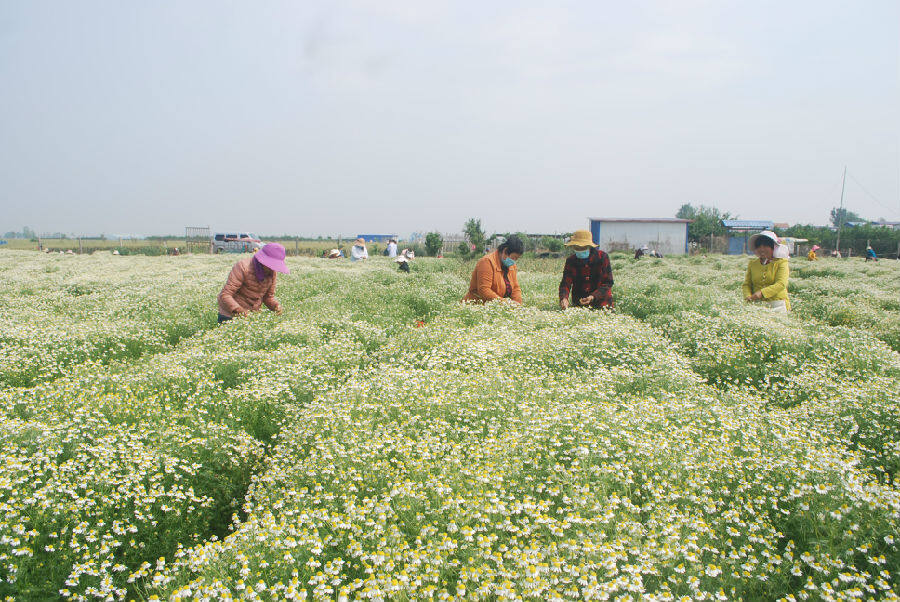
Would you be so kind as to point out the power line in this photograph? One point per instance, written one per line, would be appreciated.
(872, 196)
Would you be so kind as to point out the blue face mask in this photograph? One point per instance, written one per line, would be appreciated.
(583, 254)
(508, 262)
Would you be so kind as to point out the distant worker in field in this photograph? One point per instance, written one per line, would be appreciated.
(406, 256)
(812, 253)
(358, 251)
(251, 283)
(870, 254)
(496, 275)
(391, 250)
(587, 275)
(766, 280)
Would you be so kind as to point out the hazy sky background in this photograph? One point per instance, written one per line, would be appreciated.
(407, 115)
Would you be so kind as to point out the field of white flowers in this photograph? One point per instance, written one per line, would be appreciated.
(379, 440)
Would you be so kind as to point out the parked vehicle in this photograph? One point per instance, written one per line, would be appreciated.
(235, 242)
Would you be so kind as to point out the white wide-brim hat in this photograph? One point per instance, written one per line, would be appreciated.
(780, 252)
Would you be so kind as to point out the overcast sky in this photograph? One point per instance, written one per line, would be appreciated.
(408, 115)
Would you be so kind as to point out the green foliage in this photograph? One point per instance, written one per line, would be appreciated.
(151, 250)
(840, 216)
(474, 233)
(433, 243)
(686, 211)
(552, 244)
(707, 221)
(529, 241)
(26, 233)
(884, 240)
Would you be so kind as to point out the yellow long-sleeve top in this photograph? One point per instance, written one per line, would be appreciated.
(811, 256)
(771, 279)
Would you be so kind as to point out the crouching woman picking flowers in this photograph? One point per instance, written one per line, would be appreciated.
(251, 283)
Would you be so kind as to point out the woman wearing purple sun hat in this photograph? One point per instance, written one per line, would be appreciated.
(252, 283)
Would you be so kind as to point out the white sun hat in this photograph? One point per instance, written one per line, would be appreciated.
(780, 252)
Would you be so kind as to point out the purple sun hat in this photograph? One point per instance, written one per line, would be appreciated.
(272, 256)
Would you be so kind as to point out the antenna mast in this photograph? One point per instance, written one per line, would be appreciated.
(841, 211)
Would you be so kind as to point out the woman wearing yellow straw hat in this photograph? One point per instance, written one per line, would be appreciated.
(766, 281)
(359, 252)
(587, 275)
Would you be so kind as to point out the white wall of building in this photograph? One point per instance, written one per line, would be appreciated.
(669, 238)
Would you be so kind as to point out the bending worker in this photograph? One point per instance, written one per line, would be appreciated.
(766, 280)
(587, 275)
(495, 275)
(251, 283)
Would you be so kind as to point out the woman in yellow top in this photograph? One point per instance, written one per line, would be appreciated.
(767, 276)
(812, 253)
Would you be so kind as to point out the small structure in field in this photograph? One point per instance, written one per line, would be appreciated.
(197, 238)
(668, 236)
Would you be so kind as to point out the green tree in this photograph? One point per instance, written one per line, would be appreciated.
(475, 233)
(433, 243)
(529, 242)
(552, 244)
(840, 216)
(463, 249)
(707, 221)
(686, 211)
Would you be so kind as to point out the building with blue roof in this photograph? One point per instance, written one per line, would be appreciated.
(377, 237)
(740, 231)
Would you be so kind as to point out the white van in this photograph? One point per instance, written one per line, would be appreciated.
(235, 241)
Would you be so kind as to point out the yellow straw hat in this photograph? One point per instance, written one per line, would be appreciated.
(581, 238)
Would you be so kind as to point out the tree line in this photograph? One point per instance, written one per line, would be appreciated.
(856, 231)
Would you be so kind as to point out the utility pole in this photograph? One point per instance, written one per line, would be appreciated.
(841, 211)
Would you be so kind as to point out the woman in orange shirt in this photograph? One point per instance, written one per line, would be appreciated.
(495, 275)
